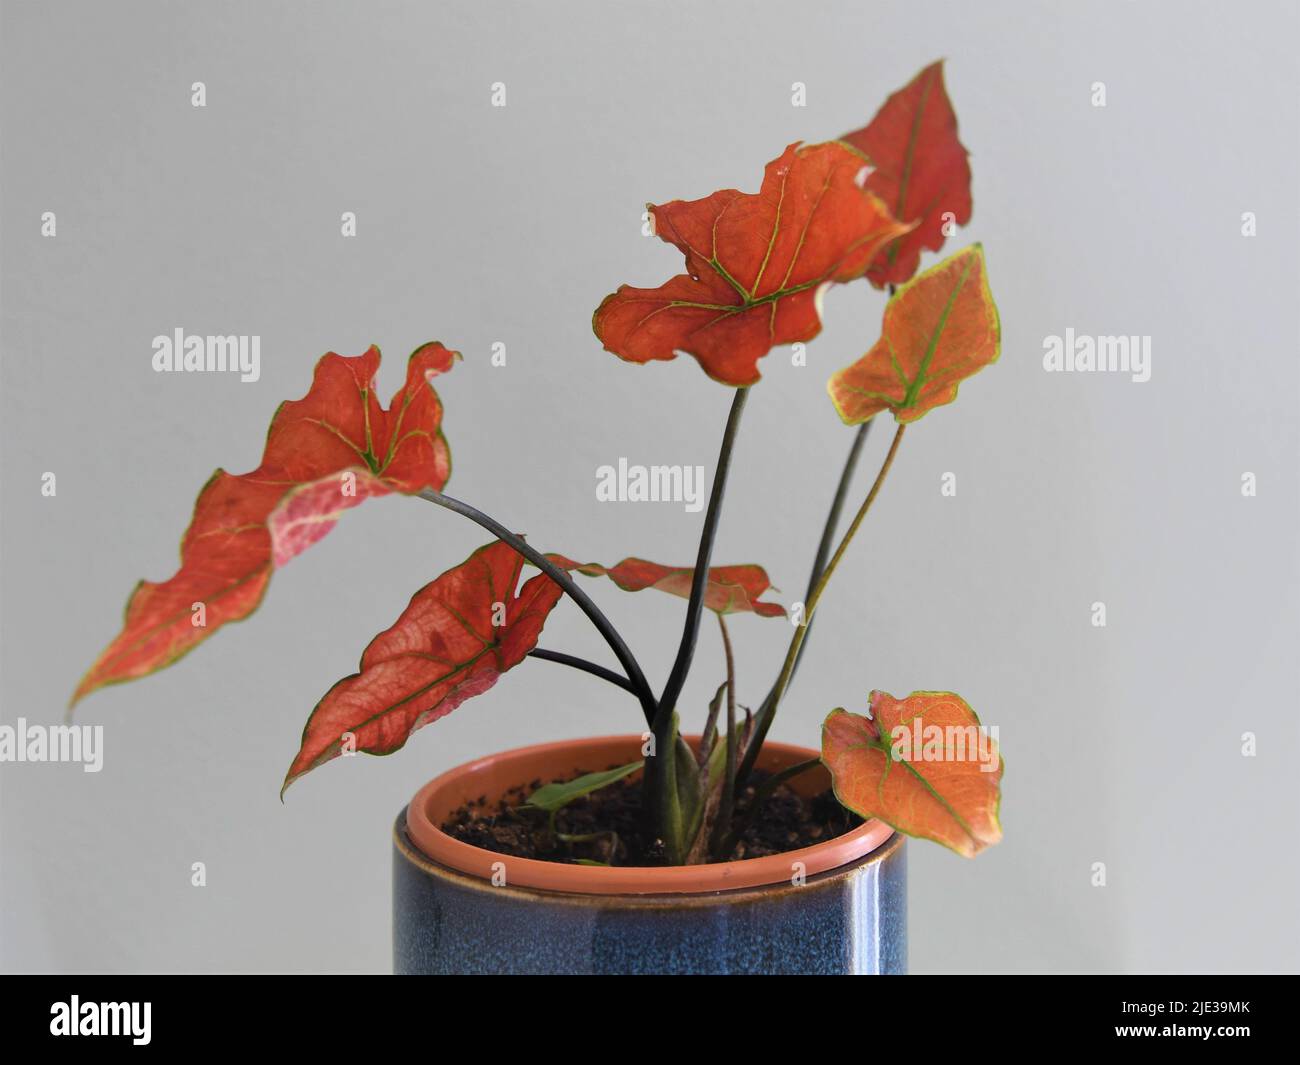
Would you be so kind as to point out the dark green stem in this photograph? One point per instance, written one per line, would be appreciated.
(700, 578)
(819, 562)
(581, 663)
(832, 523)
(727, 799)
(763, 720)
(660, 772)
(767, 709)
(625, 657)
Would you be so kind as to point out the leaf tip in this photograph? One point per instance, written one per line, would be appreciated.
(85, 687)
(289, 778)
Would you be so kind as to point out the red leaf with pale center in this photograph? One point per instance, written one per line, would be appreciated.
(730, 589)
(324, 453)
(921, 171)
(921, 764)
(756, 265)
(443, 650)
(940, 328)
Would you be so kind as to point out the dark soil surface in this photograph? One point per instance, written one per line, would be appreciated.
(613, 815)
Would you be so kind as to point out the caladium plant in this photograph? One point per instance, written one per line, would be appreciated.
(865, 206)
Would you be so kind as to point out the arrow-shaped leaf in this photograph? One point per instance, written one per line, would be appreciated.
(921, 171)
(940, 328)
(756, 265)
(457, 636)
(921, 764)
(324, 453)
(730, 589)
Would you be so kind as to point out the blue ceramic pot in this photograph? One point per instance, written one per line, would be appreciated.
(461, 909)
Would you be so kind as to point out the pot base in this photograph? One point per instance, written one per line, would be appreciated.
(849, 920)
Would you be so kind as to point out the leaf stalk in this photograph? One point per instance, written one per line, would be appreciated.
(763, 719)
(611, 635)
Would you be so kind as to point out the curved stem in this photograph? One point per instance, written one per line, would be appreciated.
(700, 578)
(721, 829)
(661, 772)
(824, 549)
(731, 668)
(582, 664)
(832, 523)
(833, 518)
(625, 657)
(763, 720)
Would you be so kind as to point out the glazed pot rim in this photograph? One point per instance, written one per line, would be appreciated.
(444, 793)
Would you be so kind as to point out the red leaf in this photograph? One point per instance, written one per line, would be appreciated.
(730, 589)
(324, 453)
(443, 650)
(940, 328)
(920, 764)
(920, 171)
(756, 265)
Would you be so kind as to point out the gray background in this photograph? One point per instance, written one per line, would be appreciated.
(479, 225)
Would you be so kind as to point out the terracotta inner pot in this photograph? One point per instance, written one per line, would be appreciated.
(495, 775)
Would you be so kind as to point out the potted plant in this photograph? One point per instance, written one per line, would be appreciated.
(656, 850)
